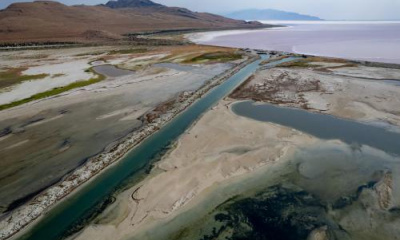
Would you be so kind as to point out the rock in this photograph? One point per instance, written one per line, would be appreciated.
(319, 234)
(384, 191)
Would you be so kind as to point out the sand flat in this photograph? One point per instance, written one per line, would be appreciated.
(223, 148)
(64, 142)
(220, 148)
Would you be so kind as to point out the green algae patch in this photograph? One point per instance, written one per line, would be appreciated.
(128, 51)
(308, 63)
(298, 64)
(215, 57)
(14, 76)
(56, 91)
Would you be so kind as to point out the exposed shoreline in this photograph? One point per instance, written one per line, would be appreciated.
(223, 148)
(22, 217)
(153, 204)
(26, 216)
(360, 48)
(36, 45)
(116, 108)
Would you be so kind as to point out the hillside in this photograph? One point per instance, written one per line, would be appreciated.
(132, 4)
(53, 21)
(269, 14)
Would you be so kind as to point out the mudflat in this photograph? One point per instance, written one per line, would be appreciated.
(226, 164)
(59, 133)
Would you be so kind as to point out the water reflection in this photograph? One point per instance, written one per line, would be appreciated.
(112, 71)
(322, 126)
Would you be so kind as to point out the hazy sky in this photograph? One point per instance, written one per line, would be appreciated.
(327, 9)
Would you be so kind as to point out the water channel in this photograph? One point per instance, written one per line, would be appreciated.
(81, 204)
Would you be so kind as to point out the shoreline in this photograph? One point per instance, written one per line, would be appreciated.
(162, 203)
(239, 39)
(82, 178)
(27, 215)
(201, 36)
(49, 44)
(158, 207)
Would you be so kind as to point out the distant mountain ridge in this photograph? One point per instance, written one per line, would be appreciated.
(44, 21)
(269, 14)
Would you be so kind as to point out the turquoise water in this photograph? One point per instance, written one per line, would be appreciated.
(79, 206)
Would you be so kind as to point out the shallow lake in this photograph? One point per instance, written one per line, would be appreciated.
(112, 71)
(371, 41)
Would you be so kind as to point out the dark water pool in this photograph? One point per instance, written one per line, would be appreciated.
(112, 71)
(393, 82)
(322, 126)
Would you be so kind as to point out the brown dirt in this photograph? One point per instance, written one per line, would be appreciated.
(52, 21)
(270, 89)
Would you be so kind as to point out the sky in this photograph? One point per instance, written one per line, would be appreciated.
(326, 9)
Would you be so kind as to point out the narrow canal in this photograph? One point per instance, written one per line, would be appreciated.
(73, 210)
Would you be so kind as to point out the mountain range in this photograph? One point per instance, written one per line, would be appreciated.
(269, 14)
(52, 21)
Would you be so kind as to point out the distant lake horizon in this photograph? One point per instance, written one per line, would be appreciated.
(376, 41)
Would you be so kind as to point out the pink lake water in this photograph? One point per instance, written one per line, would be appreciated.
(370, 41)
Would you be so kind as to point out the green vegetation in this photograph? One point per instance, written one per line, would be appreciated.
(35, 56)
(89, 54)
(55, 91)
(57, 75)
(14, 75)
(215, 57)
(273, 59)
(298, 64)
(288, 213)
(114, 52)
(345, 66)
(307, 63)
(128, 51)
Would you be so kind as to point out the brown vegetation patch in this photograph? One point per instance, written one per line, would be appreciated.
(215, 57)
(128, 51)
(197, 54)
(281, 88)
(311, 63)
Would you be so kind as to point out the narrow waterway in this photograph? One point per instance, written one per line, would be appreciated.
(112, 71)
(323, 126)
(83, 203)
(393, 82)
